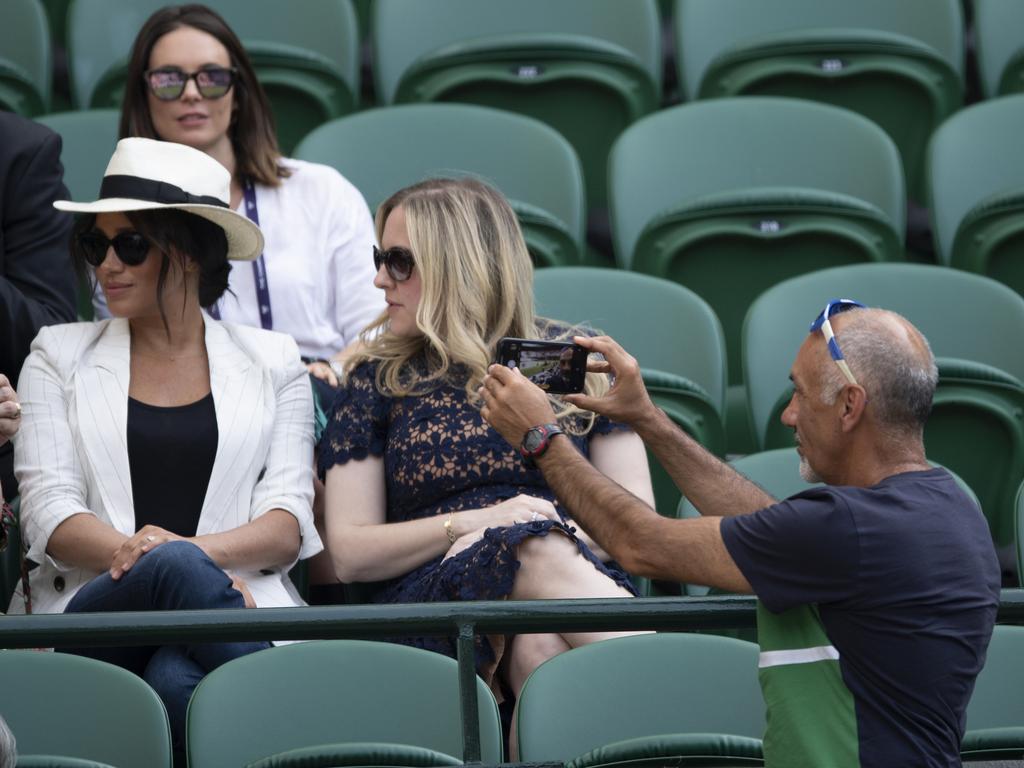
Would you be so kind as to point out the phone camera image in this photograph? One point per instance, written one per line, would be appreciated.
(557, 367)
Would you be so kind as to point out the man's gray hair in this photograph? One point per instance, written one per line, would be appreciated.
(8, 747)
(897, 370)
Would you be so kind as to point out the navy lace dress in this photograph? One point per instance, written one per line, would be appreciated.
(441, 456)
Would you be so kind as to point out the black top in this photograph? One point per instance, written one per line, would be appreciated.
(906, 582)
(171, 453)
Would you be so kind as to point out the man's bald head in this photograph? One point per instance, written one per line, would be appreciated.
(891, 359)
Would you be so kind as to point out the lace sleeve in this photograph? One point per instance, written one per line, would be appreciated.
(357, 424)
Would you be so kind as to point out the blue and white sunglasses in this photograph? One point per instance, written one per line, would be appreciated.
(835, 307)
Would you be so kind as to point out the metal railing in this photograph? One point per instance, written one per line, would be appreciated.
(460, 620)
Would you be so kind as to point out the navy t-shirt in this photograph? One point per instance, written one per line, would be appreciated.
(906, 582)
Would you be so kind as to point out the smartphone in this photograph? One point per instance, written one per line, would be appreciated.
(558, 367)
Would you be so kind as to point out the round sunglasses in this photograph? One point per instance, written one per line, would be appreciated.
(397, 260)
(131, 247)
(168, 83)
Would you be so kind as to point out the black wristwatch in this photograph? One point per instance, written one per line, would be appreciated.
(536, 442)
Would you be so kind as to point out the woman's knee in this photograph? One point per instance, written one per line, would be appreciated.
(174, 556)
(551, 551)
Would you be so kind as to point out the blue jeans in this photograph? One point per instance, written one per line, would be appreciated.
(177, 575)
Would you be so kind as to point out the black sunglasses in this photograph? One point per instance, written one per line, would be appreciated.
(398, 262)
(168, 83)
(131, 247)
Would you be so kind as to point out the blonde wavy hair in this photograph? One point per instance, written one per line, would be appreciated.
(477, 287)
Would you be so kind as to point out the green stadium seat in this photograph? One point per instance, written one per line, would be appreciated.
(970, 321)
(531, 163)
(898, 63)
(645, 700)
(698, 197)
(976, 189)
(66, 707)
(1020, 533)
(995, 724)
(586, 67)
(25, 58)
(673, 334)
(307, 60)
(337, 702)
(88, 139)
(1000, 46)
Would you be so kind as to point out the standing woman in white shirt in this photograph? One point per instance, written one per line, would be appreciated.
(164, 457)
(190, 81)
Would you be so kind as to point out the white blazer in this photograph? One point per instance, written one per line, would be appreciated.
(71, 455)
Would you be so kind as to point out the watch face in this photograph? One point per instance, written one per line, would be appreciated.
(533, 440)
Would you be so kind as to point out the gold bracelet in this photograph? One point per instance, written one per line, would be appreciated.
(448, 527)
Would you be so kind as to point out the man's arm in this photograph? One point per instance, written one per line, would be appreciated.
(644, 542)
(711, 485)
(641, 540)
(37, 282)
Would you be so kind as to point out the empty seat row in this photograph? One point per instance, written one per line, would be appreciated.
(642, 698)
(587, 67)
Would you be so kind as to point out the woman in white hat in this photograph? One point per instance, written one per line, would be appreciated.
(164, 457)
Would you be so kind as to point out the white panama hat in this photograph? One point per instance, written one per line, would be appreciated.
(147, 175)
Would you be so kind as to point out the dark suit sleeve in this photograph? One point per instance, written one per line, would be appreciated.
(37, 282)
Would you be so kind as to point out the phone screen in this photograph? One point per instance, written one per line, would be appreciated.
(555, 366)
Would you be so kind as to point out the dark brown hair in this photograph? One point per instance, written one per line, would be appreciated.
(252, 132)
(172, 232)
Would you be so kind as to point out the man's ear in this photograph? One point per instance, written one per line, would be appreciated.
(853, 399)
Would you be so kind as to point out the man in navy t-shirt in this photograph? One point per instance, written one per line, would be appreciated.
(877, 592)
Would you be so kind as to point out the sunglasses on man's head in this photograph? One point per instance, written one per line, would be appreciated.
(398, 262)
(168, 83)
(131, 247)
(821, 322)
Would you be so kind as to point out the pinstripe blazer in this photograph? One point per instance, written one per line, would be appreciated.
(71, 452)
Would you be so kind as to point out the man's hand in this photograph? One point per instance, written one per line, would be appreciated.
(10, 410)
(627, 401)
(513, 404)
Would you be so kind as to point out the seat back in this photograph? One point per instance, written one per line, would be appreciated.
(1020, 533)
(966, 319)
(306, 61)
(532, 164)
(999, 48)
(88, 138)
(976, 190)
(731, 211)
(586, 67)
(899, 64)
(994, 730)
(74, 707)
(25, 58)
(333, 692)
(639, 686)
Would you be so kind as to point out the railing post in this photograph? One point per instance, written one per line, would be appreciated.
(467, 693)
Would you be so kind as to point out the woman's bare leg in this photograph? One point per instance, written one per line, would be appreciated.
(552, 568)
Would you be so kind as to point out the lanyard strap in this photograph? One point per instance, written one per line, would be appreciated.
(259, 266)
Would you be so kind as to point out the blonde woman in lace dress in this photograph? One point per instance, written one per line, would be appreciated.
(424, 499)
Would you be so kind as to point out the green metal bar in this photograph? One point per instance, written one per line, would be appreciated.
(466, 647)
(370, 621)
(422, 619)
